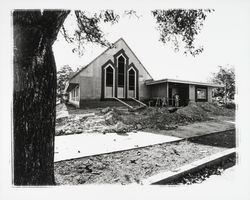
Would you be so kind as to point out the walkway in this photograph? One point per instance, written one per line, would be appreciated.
(76, 146)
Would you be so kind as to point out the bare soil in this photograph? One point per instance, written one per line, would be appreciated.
(135, 165)
(77, 121)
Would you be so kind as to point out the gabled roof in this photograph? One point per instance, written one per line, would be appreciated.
(135, 56)
(121, 39)
(152, 82)
(76, 72)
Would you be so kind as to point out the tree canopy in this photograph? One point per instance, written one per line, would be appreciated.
(175, 26)
(62, 77)
(181, 25)
(225, 76)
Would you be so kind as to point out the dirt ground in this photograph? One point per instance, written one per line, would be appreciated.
(135, 165)
(220, 123)
(120, 120)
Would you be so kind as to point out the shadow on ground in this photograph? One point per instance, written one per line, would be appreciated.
(225, 139)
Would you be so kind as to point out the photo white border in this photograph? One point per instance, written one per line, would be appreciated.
(236, 190)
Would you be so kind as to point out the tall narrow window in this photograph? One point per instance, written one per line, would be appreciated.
(131, 83)
(121, 78)
(109, 82)
(109, 77)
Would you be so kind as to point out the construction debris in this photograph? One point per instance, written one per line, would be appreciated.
(122, 120)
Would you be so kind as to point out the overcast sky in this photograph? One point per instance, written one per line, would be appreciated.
(220, 38)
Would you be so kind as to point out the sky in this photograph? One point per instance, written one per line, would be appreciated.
(218, 37)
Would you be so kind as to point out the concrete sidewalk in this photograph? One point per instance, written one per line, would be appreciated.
(81, 145)
(88, 144)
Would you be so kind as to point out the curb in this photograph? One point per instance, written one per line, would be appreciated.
(165, 177)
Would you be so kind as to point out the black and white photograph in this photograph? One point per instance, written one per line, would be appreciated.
(104, 98)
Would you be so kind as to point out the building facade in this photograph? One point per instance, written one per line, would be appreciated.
(118, 73)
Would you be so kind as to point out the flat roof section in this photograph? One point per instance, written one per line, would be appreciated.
(154, 82)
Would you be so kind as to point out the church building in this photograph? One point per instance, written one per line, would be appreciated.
(117, 75)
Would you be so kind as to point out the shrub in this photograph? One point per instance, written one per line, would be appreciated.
(230, 105)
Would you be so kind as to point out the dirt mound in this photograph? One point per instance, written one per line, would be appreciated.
(215, 109)
(163, 119)
(193, 112)
(76, 124)
(123, 120)
(107, 120)
(158, 118)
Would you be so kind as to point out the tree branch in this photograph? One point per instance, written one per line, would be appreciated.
(53, 21)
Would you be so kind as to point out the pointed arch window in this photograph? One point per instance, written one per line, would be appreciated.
(121, 76)
(109, 82)
(132, 83)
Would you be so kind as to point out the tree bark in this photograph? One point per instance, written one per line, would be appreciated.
(34, 96)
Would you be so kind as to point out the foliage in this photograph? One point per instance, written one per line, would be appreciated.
(225, 76)
(62, 77)
(230, 105)
(88, 28)
(175, 25)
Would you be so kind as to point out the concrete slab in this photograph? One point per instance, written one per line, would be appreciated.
(76, 146)
(88, 144)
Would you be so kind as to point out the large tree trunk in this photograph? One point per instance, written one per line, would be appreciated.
(34, 97)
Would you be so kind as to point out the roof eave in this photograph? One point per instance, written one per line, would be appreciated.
(70, 86)
(183, 82)
(76, 73)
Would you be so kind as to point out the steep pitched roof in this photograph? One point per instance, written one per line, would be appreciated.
(76, 72)
(121, 39)
(136, 57)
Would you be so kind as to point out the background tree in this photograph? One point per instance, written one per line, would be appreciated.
(180, 26)
(225, 76)
(62, 77)
(34, 97)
